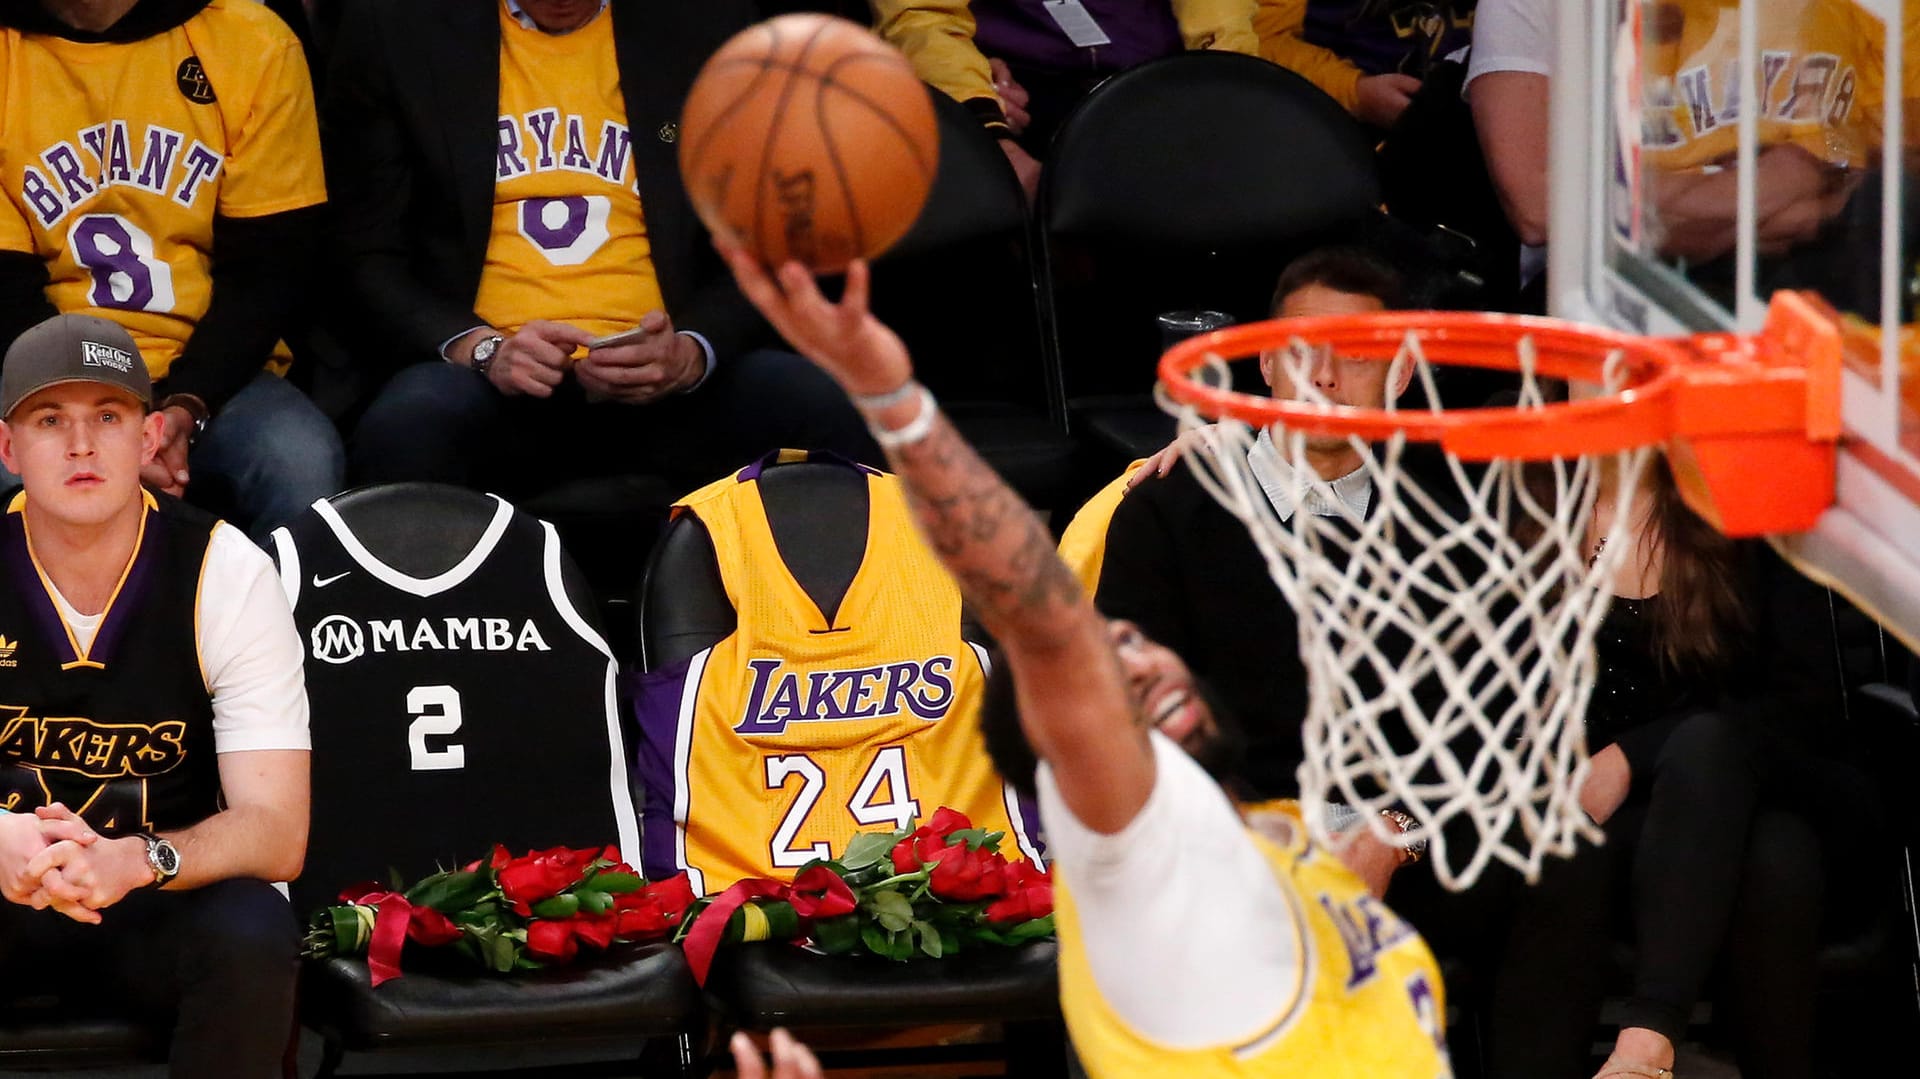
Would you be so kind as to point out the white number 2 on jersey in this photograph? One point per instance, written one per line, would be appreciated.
(899, 811)
(445, 721)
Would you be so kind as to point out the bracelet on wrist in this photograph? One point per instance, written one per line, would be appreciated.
(874, 402)
(915, 429)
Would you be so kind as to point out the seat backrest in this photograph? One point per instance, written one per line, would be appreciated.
(768, 739)
(960, 287)
(461, 692)
(1188, 183)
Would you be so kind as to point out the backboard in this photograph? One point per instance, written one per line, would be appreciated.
(1676, 208)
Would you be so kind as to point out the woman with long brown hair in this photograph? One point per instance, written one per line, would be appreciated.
(1716, 668)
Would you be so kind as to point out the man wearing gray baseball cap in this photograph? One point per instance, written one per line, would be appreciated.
(153, 754)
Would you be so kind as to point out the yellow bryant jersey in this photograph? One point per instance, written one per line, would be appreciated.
(779, 743)
(1821, 79)
(1366, 1000)
(115, 159)
(1083, 546)
(569, 243)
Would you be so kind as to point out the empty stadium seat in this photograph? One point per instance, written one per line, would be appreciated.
(495, 642)
(1186, 183)
(960, 290)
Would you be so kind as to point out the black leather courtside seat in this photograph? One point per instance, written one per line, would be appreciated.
(527, 760)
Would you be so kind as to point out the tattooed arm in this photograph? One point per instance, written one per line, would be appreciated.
(1074, 703)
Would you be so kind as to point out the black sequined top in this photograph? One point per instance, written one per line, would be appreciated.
(1632, 687)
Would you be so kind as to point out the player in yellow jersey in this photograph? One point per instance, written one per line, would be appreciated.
(506, 180)
(160, 167)
(1192, 942)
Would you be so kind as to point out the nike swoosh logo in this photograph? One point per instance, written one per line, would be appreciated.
(322, 582)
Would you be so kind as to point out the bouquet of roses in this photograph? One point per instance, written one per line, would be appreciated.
(503, 913)
(929, 891)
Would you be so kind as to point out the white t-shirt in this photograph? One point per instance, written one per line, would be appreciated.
(1219, 980)
(249, 648)
(1512, 35)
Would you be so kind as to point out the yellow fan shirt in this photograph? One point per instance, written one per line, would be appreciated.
(116, 157)
(1821, 81)
(569, 242)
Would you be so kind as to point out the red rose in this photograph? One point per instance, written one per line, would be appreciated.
(821, 893)
(946, 821)
(594, 930)
(538, 876)
(500, 857)
(552, 941)
(675, 895)
(921, 848)
(965, 876)
(431, 928)
(1029, 895)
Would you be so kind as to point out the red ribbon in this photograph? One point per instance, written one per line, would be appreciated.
(817, 893)
(389, 934)
(704, 938)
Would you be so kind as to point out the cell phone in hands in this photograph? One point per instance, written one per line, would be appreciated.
(624, 337)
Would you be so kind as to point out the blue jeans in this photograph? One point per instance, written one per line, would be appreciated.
(269, 454)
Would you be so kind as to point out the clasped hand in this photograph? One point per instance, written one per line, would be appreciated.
(52, 858)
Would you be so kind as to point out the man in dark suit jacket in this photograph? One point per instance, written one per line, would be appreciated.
(506, 195)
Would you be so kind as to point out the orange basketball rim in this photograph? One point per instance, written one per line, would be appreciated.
(1750, 423)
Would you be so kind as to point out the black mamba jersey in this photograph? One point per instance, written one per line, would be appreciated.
(450, 712)
(121, 732)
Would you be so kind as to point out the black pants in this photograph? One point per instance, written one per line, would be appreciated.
(219, 962)
(440, 423)
(1720, 866)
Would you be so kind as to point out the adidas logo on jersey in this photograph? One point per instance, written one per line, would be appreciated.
(777, 697)
(340, 639)
(7, 646)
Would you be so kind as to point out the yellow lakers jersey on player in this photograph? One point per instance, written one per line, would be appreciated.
(1821, 81)
(801, 728)
(116, 157)
(1366, 1000)
(569, 243)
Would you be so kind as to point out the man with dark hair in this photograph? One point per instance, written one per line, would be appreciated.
(153, 721)
(1295, 968)
(1184, 569)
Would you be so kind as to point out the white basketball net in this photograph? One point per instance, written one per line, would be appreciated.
(1447, 634)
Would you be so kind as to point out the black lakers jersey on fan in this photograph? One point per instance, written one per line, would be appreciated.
(479, 698)
(120, 731)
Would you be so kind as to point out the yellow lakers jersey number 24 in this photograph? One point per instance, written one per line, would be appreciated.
(799, 729)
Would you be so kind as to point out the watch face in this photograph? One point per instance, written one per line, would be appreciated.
(164, 857)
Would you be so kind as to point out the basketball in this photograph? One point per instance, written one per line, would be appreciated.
(806, 137)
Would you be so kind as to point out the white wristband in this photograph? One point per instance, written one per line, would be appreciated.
(916, 430)
(874, 402)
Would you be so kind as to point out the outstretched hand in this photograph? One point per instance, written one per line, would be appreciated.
(844, 339)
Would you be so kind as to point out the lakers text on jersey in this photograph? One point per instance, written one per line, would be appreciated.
(1366, 997)
(781, 741)
(118, 729)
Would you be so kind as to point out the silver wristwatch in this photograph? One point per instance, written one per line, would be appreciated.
(163, 858)
(483, 354)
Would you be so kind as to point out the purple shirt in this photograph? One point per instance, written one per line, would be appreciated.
(1022, 33)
